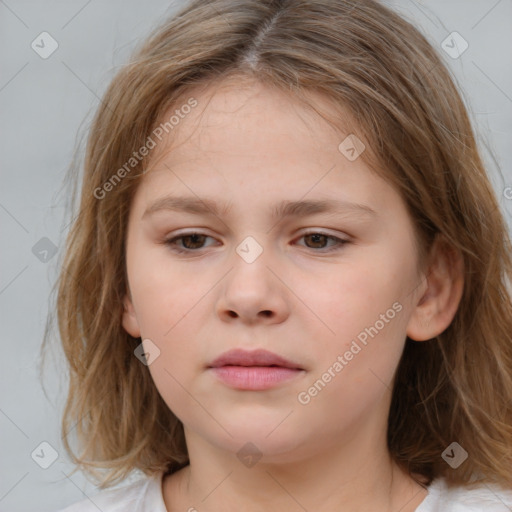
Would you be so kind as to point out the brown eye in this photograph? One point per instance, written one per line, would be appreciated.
(193, 241)
(317, 240)
(190, 242)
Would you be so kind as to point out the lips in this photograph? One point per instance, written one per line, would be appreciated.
(239, 357)
(258, 370)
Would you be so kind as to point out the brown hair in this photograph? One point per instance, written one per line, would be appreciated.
(364, 58)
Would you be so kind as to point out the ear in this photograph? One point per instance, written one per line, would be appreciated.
(437, 306)
(129, 321)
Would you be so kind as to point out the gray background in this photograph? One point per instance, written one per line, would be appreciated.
(47, 103)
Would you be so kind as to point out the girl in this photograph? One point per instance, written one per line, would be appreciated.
(287, 285)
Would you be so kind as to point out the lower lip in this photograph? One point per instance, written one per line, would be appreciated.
(254, 377)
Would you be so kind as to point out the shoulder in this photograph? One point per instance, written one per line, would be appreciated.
(488, 497)
(145, 494)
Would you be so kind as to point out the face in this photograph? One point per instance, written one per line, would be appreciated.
(330, 290)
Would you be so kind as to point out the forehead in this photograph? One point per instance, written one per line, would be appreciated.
(252, 113)
(247, 138)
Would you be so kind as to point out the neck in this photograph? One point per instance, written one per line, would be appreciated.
(336, 478)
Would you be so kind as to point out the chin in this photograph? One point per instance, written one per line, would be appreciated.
(263, 440)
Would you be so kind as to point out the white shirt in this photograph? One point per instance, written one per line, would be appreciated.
(145, 495)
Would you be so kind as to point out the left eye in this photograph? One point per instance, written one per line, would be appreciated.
(193, 241)
(316, 238)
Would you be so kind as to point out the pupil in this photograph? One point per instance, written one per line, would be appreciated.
(316, 237)
(194, 238)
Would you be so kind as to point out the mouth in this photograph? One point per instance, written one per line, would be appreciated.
(255, 370)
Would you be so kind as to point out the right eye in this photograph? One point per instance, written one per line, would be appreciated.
(191, 239)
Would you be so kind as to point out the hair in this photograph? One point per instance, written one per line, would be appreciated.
(379, 69)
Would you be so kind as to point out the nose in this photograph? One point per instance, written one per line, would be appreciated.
(253, 293)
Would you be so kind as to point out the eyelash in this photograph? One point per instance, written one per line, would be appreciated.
(171, 242)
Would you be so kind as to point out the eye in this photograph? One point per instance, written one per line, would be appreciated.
(190, 241)
(193, 241)
(318, 238)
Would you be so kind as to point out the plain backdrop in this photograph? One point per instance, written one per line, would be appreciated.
(46, 103)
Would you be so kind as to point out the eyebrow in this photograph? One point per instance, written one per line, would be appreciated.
(206, 206)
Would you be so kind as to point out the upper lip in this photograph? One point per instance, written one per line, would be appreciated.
(260, 357)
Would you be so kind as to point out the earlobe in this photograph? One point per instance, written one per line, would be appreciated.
(437, 306)
(129, 322)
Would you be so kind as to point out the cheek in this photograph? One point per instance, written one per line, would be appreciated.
(353, 297)
(364, 308)
(163, 293)
(174, 331)
(172, 382)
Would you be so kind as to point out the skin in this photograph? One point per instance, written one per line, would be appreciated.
(254, 147)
